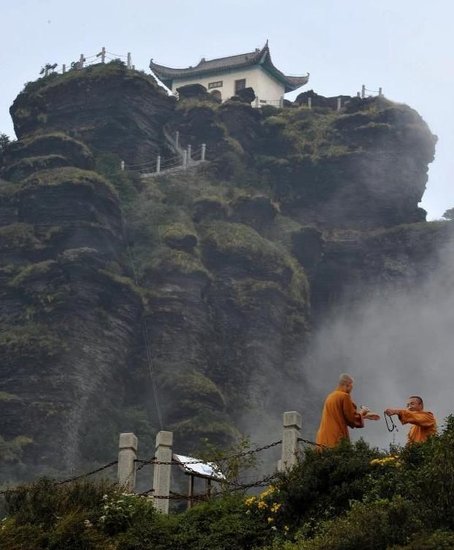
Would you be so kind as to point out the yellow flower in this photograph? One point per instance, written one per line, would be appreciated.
(269, 491)
(261, 505)
(392, 459)
(270, 520)
(275, 507)
(249, 501)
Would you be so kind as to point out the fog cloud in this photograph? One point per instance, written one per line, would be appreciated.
(395, 346)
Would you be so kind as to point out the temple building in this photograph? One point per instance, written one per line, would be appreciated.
(226, 76)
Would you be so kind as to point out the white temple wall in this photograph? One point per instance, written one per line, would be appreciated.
(266, 88)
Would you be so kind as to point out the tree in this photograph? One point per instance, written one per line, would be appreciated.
(4, 144)
(48, 68)
(449, 214)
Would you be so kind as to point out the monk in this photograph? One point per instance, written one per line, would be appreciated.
(424, 423)
(339, 413)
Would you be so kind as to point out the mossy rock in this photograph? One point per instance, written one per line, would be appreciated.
(75, 152)
(256, 211)
(74, 176)
(180, 237)
(209, 208)
(28, 166)
(235, 246)
(30, 342)
(307, 247)
(168, 262)
(19, 236)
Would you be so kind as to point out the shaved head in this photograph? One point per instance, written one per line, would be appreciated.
(346, 382)
(345, 378)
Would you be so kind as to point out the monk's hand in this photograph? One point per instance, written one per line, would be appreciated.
(372, 416)
(390, 412)
(363, 411)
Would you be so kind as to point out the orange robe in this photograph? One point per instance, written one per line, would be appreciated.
(339, 412)
(424, 424)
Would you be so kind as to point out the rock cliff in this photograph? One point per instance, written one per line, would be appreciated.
(199, 287)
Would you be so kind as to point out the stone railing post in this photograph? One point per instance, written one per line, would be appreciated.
(189, 154)
(309, 102)
(290, 440)
(204, 151)
(257, 104)
(339, 103)
(161, 473)
(122, 165)
(281, 102)
(363, 91)
(158, 164)
(127, 455)
(177, 139)
(185, 159)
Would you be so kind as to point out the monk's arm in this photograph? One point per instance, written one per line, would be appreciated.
(419, 418)
(352, 418)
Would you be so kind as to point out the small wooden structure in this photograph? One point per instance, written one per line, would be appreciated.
(198, 469)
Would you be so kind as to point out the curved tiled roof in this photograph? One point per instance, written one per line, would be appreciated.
(227, 64)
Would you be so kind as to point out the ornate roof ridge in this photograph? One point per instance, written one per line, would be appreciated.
(260, 57)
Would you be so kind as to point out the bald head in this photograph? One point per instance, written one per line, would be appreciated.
(346, 382)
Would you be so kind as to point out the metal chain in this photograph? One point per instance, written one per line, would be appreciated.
(74, 478)
(205, 461)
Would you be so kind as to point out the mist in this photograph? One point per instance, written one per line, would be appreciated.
(395, 345)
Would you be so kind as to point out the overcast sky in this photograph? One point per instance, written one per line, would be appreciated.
(403, 46)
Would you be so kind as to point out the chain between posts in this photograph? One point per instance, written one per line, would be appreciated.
(69, 480)
(205, 461)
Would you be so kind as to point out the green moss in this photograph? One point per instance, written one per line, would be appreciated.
(123, 281)
(196, 386)
(5, 396)
(11, 451)
(18, 236)
(168, 261)
(125, 183)
(71, 175)
(241, 244)
(32, 271)
(92, 72)
(30, 342)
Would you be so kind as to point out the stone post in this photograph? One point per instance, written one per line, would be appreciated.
(127, 456)
(161, 473)
(204, 151)
(81, 61)
(63, 68)
(189, 153)
(177, 139)
(380, 92)
(122, 165)
(128, 62)
(290, 440)
(309, 102)
(257, 105)
(158, 164)
(185, 159)
(363, 91)
(102, 54)
(281, 102)
(339, 103)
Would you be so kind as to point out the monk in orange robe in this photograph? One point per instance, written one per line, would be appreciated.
(424, 422)
(340, 413)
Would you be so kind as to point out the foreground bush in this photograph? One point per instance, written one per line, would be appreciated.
(348, 498)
